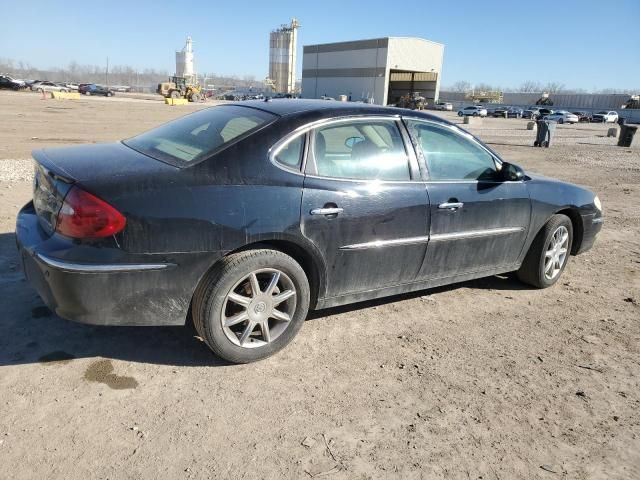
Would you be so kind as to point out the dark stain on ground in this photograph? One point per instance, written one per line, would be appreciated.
(102, 371)
(57, 356)
(40, 312)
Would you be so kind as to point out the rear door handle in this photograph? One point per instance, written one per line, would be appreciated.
(451, 206)
(327, 211)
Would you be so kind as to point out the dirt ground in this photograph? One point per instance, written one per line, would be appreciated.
(483, 380)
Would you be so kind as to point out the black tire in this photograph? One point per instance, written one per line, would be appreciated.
(532, 269)
(87, 93)
(109, 94)
(561, 121)
(195, 97)
(460, 114)
(210, 297)
(174, 94)
(475, 114)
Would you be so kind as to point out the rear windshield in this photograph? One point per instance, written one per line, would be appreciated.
(199, 135)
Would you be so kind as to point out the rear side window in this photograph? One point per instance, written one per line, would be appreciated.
(361, 150)
(199, 135)
(291, 154)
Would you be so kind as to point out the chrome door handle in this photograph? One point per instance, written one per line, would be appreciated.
(327, 211)
(451, 205)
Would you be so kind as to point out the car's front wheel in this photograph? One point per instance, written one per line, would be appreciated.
(549, 253)
(251, 304)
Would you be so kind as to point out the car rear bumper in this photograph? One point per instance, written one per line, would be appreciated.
(150, 292)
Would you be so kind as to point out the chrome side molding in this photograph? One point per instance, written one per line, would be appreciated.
(386, 243)
(435, 238)
(475, 233)
(102, 267)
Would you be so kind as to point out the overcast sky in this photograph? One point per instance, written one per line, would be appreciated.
(581, 44)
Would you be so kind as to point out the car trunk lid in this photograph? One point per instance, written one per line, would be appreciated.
(96, 168)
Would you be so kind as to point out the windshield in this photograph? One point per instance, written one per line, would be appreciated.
(199, 135)
(602, 113)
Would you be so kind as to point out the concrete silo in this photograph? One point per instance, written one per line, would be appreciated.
(184, 60)
(282, 57)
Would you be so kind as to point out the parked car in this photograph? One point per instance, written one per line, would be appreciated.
(10, 83)
(536, 112)
(583, 116)
(605, 116)
(562, 116)
(72, 86)
(248, 215)
(34, 85)
(93, 89)
(50, 87)
(445, 106)
(473, 111)
(509, 112)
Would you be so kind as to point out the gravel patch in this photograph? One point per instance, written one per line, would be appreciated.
(16, 170)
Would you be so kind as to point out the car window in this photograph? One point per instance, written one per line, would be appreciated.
(361, 150)
(451, 156)
(291, 154)
(199, 135)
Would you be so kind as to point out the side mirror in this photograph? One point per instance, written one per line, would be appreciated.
(511, 173)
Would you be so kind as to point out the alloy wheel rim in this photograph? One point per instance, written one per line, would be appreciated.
(556, 253)
(259, 308)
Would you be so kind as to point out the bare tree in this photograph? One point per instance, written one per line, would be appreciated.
(485, 87)
(530, 86)
(461, 86)
(554, 87)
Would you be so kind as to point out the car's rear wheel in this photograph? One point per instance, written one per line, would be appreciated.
(251, 304)
(561, 121)
(548, 254)
(109, 94)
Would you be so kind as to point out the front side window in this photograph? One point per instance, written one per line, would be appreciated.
(199, 135)
(451, 156)
(361, 150)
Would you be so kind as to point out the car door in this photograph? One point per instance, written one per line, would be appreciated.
(478, 222)
(364, 204)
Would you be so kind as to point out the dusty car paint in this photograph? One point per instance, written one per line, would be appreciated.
(391, 237)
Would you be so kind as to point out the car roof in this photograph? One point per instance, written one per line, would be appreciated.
(327, 108)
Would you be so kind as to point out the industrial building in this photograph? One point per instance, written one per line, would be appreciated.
(282, 57)
(380, 70)
(184, 60)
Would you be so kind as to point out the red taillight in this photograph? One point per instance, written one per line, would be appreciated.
(85, 216)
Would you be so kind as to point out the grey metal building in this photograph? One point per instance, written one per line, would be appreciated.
(380, 70)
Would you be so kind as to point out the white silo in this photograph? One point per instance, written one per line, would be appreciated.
(184, 60)
(282, 57)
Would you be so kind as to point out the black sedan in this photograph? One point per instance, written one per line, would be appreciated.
(93, 89)
(508, 112)
(245, 216)
(583, 117)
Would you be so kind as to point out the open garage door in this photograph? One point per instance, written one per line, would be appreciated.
(407, 83)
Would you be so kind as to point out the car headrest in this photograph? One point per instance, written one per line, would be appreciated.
(364, 149)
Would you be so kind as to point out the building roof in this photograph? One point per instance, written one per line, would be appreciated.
(361, 44)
